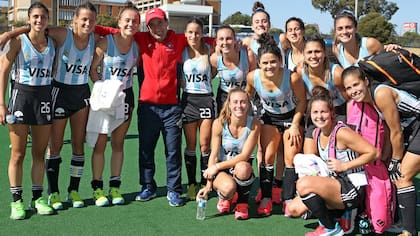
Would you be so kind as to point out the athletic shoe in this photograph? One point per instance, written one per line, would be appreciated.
(405, 233)
(259, 196)
(17, 210)
(145, 195)
(395, 228)
(74, 198)
(41, 206)
(265, 207)
(276, 195)
(346, 220)
(234, 198)
(223, 206)
(116, 197)
(285, 210)
(54, 201)
(174, 199)
(241, 211)
(322, 231)
(192, 191)
(100, 198)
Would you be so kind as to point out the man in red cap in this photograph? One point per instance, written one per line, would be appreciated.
(159, 108)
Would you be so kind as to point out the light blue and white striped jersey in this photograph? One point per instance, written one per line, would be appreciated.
(363, 52)
(72, 64)
(289, 60)
(408, 106)
(233, 146)
(280, 101)
(343, 155)
(335, 93)
(236, 77)
(254, 47)
(197, 73)
(32, 67)
(119, 66)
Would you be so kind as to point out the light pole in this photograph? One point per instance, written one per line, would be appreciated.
(356, 2)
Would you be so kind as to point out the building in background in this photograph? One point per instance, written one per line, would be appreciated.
(61, 11)
(3, 18)
(179, 11)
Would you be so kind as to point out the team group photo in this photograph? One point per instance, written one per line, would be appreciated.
(132, 117)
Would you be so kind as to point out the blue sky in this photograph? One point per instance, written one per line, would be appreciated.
(281, 10)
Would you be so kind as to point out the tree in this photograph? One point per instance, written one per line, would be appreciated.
(275, 31)
(375, 25)
(385, 8)
(409, 39)
(311, 29)
(238, 18)
(107, 21)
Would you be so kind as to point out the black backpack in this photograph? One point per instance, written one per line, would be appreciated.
(398, 68)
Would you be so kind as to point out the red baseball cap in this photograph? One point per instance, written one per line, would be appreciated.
(155, 13)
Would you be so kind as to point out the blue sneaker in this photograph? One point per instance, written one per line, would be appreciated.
(322, 231)
(174, 199)
(145, 195)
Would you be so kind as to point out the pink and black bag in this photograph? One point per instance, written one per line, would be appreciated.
(380, 193)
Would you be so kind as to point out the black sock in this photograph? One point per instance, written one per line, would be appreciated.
(191, 165)
(407, 204)
(317, 206)
(266, 180)
(204, 161)
(52, 166)
(36, 192)
(76, 171)
(115, 182)
(16, 193)
(96, 183)
(289, 180)
(243, 187)
(278, 183)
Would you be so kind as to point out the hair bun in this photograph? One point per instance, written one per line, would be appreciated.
(258, 6)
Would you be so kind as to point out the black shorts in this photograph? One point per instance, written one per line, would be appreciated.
(128, 103)
(281, 121)
(31, 105)
(68, 99)
(220, 100)
(197, 106)
(412, 137)
(351, 195)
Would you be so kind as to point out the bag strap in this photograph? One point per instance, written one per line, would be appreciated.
(332, 142)
(379, 68)
(410, 63)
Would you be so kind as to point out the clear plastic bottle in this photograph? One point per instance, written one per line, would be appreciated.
(10, 119)
(201, 208)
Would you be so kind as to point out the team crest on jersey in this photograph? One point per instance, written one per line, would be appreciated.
(66, 53)
(59, 112)
(78, 60)
(26, 56)
(170, 45)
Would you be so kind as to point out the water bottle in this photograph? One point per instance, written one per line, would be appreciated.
(201, 208)
(10, 119)
(364, 225)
